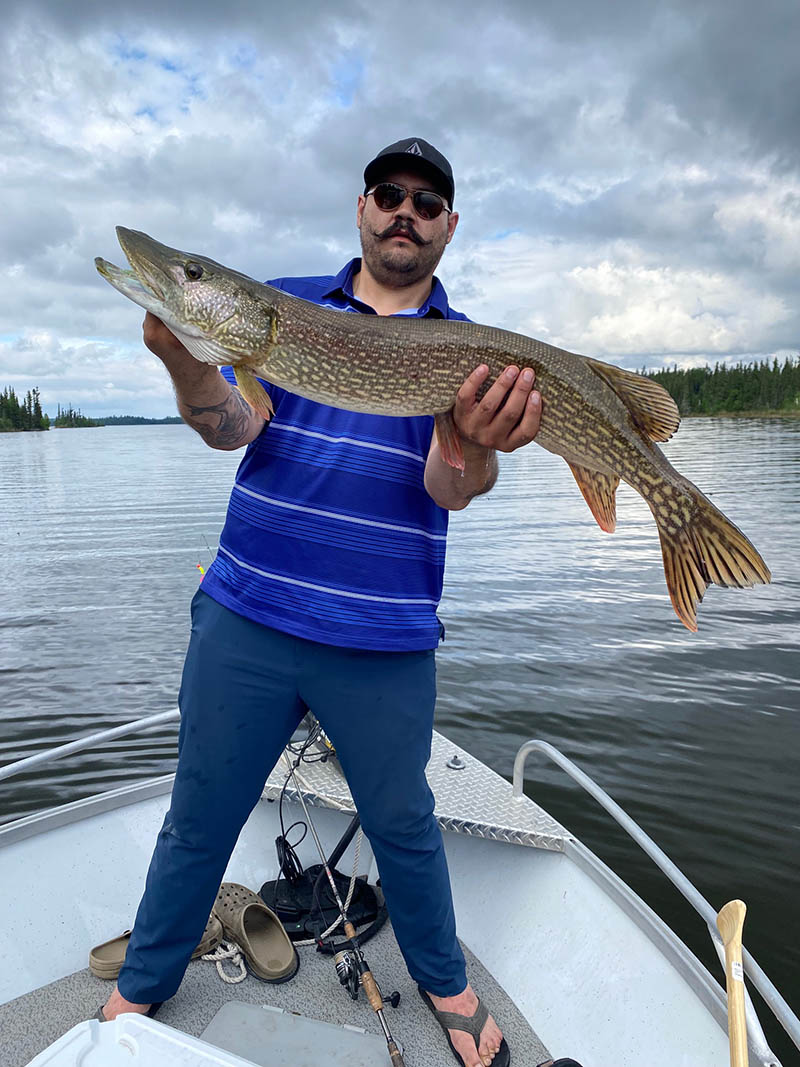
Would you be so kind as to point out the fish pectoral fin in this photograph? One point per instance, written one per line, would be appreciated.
(254, 392)
(599, 491)
(449, 440)
(651, 407)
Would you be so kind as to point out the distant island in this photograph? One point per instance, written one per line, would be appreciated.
(137, 420)
(746, 389)
(26, 414)
(69, 417)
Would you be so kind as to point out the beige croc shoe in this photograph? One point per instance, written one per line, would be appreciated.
(247, 920)
(106, 960)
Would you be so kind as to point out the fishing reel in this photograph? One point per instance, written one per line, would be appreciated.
(349, 976)
(347, 972)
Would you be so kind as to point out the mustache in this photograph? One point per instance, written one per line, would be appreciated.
(402, 228)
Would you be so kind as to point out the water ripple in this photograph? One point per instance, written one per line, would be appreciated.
(554, 630)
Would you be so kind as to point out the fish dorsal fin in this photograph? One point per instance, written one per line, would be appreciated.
(599, 493)
(651, 407)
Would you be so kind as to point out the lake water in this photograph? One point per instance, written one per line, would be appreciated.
(554, 630)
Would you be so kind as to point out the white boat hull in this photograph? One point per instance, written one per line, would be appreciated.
(595, 972)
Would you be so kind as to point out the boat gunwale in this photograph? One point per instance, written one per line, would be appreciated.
(664, 939)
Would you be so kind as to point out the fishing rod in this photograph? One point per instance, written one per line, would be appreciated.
(351, 967)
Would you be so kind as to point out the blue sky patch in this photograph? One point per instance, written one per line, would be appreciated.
(347, 77)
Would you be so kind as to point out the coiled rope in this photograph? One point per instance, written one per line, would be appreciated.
(228, 950)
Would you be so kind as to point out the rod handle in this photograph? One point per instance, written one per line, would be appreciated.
(394, 1055)
(730, 921)
(371, 989)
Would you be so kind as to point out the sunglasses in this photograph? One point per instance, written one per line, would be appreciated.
(427, 204)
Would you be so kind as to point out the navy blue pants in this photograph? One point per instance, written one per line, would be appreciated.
(245, 688)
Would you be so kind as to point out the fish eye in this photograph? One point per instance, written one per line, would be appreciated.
(193, 271)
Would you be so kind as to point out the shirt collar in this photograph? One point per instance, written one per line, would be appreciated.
(342, 285)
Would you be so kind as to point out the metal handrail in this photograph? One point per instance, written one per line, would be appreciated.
(772, 998)
(89, 741)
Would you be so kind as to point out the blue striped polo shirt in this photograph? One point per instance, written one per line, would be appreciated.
(330, 534)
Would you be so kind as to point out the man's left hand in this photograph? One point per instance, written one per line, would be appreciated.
(491, 422)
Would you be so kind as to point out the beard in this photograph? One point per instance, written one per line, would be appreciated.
(400, 265)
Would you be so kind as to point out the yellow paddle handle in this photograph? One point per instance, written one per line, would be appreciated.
(730, 921)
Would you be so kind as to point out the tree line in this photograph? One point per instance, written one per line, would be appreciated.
(726, 389)
(25, 414)
(730, 389)
(70, 416)
(138, 420)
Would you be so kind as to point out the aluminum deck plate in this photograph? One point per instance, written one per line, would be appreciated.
(473, 800)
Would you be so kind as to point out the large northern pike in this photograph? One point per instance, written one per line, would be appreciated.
(604, 421)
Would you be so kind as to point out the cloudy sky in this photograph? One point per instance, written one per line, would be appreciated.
(627, 173)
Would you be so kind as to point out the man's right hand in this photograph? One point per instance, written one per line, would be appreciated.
(206, 402)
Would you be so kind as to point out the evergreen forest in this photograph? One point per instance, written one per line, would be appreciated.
(70, 416)
(753, 388)
(26, 414)
(758, 388)
(138, 420)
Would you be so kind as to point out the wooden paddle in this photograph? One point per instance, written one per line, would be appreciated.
(730, 921)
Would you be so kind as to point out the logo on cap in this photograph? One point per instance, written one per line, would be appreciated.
(414, 149)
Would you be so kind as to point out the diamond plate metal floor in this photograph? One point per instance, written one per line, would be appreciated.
(472, 800)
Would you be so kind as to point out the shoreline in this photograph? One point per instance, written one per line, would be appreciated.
(693, 415)
(743, 415)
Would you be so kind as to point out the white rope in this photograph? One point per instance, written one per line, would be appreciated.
(329, 802)
(228, 950)
(350, 891)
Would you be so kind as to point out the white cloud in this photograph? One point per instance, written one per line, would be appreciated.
(643, 210)
(615, 306)
(765, 218)
(95, 376)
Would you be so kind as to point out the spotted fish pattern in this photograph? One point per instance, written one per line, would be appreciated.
(604, 421)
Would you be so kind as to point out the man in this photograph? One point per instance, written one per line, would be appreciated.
(323, 596)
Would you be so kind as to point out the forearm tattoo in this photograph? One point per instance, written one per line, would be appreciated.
(222, 425)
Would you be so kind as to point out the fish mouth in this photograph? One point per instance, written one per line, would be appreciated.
(156, 282)
(127, 281)
(147, 281)
(149, 260)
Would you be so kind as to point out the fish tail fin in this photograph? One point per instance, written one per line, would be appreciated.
(705, 549)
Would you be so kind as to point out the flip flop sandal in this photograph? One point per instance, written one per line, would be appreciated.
(151, 1011)
(105, 961)
(560, 1063)
(470, 1024)
(258, 931)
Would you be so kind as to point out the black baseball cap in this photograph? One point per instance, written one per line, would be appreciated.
(415, 153)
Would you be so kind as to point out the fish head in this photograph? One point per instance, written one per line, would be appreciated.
(221, 316)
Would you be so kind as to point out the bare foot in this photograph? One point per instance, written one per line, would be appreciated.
(466, 1003)
(117, 1004)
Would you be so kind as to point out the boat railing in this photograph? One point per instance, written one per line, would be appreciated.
(772, 998)
(89, 741)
